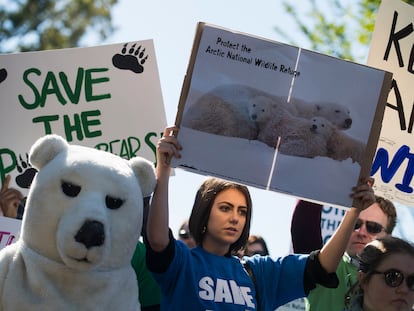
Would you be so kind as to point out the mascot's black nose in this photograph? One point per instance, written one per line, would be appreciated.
(91, 234)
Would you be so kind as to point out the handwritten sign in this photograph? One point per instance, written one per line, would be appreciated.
(107, 97)
(9, 230)
(392, 49)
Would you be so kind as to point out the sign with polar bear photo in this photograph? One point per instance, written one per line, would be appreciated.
(108, 97)
(392, 49)
(279, 117)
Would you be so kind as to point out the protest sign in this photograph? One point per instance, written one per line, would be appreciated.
(392, 49)
(108, 97)
(279, 117)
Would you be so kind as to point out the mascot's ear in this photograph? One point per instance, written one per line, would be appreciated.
(145, 173)
(45, 149)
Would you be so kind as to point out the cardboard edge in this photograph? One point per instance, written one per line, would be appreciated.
(187, 79)
(375, 132)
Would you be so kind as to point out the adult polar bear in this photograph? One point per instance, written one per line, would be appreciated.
(81, 224)
(226, 110)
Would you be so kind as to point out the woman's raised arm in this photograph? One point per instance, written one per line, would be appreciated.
(158, 222)
(332, 252)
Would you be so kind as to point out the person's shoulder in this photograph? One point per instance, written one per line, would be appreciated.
(288, 260)
(182, 250)
(347, 265)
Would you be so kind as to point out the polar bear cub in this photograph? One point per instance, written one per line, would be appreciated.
(298, 136)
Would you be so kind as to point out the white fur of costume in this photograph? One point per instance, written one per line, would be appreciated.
(81, 224)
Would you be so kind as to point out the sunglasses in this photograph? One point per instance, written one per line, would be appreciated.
(183, 234)
(252, 253)
(371, 226)
(394, 278)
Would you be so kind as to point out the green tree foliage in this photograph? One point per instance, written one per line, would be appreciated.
(341, 28)
(31, 25)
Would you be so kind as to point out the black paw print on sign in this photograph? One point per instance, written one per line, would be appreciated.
(27, 173)
(130, 59)
(3, 74)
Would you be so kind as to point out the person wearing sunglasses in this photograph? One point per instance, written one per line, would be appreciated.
(385, 277)
(377, 221)
(256, 245)
(184, 235)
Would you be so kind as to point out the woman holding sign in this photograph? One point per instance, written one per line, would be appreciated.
(210, 276)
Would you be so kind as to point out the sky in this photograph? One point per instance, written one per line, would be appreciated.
(172, 24)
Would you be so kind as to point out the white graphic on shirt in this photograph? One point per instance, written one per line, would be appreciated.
(225, 291)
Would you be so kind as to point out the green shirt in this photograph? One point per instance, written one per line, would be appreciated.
(333, 299)
(149, 291)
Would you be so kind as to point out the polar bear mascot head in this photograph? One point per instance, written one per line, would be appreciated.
(81, 224)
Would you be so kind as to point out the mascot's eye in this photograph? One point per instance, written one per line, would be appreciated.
(71, 190)
(113, 203)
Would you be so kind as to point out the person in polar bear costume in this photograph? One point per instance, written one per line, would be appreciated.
(298, 136)
(81, 224)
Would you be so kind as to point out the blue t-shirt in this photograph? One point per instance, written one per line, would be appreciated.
(198, 280)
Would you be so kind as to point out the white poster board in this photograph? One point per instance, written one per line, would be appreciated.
(108, 97)
(392, 50)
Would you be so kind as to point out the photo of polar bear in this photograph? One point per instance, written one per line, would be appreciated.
(337, 114)
(262, 109)
(225, 111)
(308, 139)
(306, 128)
(299, 136)
(342, 146)
(215, 115)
